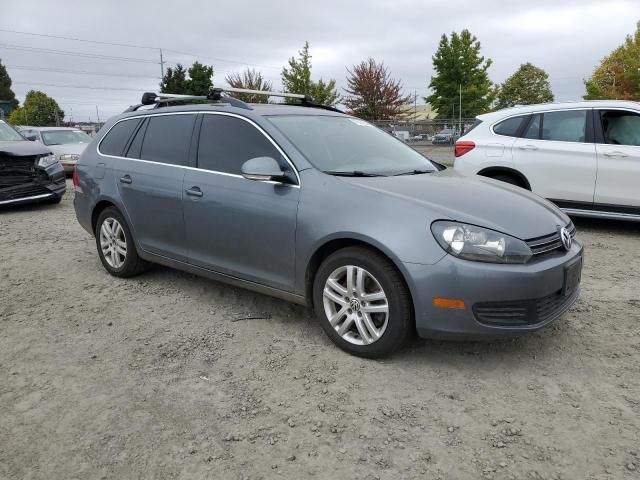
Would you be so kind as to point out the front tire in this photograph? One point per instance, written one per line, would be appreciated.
(116, 248)
(362, 302)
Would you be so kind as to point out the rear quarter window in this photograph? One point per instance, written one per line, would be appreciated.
(509, 127)
(115, 141)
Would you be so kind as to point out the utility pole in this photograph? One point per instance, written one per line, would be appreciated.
(57, 115)
(460, 113)
(97, 114)
(161, 65)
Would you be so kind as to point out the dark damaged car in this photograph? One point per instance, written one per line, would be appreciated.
(29, 172)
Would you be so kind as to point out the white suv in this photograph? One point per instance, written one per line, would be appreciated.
(583, 156)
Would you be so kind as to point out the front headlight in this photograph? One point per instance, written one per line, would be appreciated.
(47, 161)
(67, 157)
(479, 244)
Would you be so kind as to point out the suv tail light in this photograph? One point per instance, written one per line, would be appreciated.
(463, 146)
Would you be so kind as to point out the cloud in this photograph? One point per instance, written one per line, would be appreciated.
(566, 38)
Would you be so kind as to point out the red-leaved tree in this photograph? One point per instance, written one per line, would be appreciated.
(372, 94)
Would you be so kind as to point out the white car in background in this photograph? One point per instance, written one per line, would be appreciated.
(583, 156)
(66, 143)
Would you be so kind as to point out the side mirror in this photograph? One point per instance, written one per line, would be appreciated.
(263, 169)
(31, 138)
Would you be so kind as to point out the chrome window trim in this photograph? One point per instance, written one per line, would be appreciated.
(228, 114)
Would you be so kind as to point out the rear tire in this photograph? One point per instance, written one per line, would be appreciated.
(370, 316)
(116, 248)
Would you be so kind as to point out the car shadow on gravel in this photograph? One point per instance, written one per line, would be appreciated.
(28, 208)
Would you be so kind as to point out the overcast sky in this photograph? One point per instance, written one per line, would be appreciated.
(567, 38)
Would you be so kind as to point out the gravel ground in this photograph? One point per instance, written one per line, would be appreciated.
(166, 375)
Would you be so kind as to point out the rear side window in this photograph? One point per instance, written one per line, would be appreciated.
(227, 142)
(167, 139)
(509, 127)
(620, 127)
(564, 126)
(116, 139)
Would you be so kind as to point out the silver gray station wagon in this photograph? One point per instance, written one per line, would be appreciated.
(323, 209)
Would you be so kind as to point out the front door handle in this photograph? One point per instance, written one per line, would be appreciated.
(528, 147)
(615, 154)
(194, 192)
(126, 179)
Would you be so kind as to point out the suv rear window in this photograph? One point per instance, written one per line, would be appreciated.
(509, 127)
(116, 139)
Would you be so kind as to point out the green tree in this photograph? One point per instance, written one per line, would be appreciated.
(200, 79)
(251, 80)
(458, 63)
(372, 93)
(38, 110)
(175, 81)
(618, 75)
(528, 85)
(6, 93)
(297, 79)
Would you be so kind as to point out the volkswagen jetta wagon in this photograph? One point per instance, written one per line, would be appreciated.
(326, 210)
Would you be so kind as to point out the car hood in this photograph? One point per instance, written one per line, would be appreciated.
(69, 148)
(476, 200)
(23, 148)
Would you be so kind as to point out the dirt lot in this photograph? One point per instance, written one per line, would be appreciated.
(162, 376)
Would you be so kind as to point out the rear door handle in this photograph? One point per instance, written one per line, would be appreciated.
(528, 147)
(615, 154)
(126, 179)
(194, 192)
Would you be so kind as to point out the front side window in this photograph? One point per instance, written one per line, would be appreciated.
(64, 137)
(509, 127)
(620, 127)
(116, 139)
(344, 144)
(8, 134)
(227, 142)
(167, 139)
(564, 126)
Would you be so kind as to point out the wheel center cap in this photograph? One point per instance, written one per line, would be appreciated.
(354, 304)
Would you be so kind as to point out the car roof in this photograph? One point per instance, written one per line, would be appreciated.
(540, 107)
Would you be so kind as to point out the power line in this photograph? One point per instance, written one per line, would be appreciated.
(75, 72)
(76, 54)
(78, 86)
(78, 39)
(223, 60)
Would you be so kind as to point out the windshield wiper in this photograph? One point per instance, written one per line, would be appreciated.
(413, 172)
(351, 173)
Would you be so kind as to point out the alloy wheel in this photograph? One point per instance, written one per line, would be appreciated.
(355, 305)
(113, 242)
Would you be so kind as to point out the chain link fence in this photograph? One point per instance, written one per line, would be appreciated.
(437, 131)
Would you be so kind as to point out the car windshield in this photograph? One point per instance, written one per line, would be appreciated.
(64, 137)
(349, 145)
(8, 134)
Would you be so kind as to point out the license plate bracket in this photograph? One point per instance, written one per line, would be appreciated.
(572, 276)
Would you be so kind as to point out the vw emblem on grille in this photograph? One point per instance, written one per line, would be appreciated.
(565, 236)
(354, 304)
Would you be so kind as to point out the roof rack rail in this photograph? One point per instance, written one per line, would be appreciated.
(221, 94)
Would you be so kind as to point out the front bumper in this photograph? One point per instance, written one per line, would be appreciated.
(498, 299)
(48, 185)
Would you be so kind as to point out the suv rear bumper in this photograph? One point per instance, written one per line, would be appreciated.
(498, 299)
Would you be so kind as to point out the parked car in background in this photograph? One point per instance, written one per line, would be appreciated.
(29, 172)
(583, 156)
(66, 143)
(447, 136)
(324, 209)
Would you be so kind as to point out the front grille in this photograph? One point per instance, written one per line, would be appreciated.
(22, 192)
(522, 313)
(16, 170)
(549, 244)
